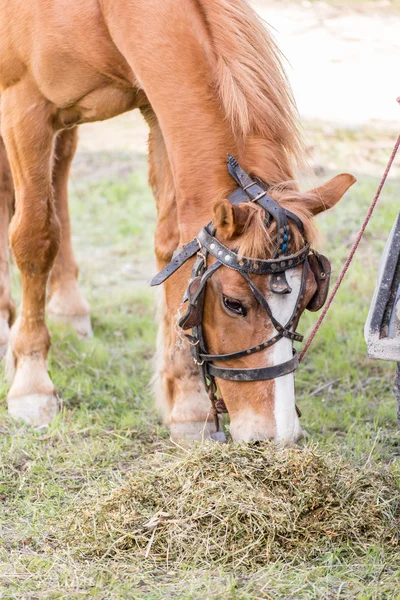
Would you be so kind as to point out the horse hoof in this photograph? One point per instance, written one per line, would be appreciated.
(4, 337)
(219, 436)
(36, 409)
(80, 323)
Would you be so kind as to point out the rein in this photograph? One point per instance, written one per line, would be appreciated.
(206, 244)
(352, 251)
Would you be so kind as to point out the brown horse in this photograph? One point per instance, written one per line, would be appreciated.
(208, 79)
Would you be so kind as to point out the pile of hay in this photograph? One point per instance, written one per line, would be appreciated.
(243, 505)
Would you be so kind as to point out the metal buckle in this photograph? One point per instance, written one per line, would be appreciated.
(249, 185)
(257, 198)
(201, 255)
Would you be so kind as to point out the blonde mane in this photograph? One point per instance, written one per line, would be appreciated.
(249, 76)
(256, 241)
(257, 100)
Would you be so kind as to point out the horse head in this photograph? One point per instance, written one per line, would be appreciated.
(253, 276)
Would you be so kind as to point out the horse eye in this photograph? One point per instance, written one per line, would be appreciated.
(234, 306)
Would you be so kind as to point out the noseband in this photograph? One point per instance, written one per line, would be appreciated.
(205, 244)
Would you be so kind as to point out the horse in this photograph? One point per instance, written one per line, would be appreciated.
(208, 78)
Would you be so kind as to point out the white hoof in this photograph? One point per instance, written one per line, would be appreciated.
(37, 410)
(4, 337)
(219, 437)
(80, 323)
(196, 432)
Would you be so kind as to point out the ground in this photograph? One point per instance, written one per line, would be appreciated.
(108, 421)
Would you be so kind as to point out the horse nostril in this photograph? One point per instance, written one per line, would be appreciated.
(259, 441)
(256, 443)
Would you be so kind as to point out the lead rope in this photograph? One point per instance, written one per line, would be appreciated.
(352, 251)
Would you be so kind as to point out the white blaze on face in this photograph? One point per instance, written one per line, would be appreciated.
(288, 429)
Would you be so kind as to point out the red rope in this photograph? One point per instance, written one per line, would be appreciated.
(352, 251)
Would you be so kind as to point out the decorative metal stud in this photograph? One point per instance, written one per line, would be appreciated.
(228, 258)
(212, 246)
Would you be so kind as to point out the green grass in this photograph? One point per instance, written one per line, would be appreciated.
(108, 423)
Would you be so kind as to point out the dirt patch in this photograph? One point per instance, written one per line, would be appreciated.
(343, 58)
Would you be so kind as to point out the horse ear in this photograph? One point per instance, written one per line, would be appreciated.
(228, 219)
(327, 195)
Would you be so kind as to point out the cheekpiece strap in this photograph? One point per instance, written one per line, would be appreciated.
(177, 261)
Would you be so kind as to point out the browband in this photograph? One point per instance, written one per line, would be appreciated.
(255, 266)
(229, 258)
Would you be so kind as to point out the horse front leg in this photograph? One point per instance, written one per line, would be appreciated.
(35, 238)
(7, 308)
(179, 392)
(66, 304)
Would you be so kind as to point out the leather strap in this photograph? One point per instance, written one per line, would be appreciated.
(177, 261)
(258, 194)
(242, 353)
(258, 374)
(279, 284)
(298, 222)
(250, 265)
(239, 196)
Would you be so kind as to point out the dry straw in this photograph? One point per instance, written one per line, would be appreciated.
(240, 506)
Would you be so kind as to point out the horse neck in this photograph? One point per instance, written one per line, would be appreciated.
(200, 171)
(174, 59)
(197, 146)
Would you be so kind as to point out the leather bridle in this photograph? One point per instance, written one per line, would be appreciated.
(205, 244)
